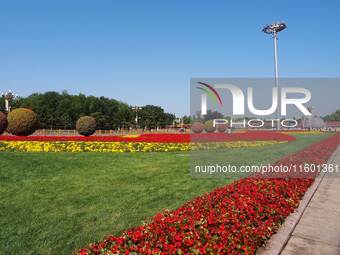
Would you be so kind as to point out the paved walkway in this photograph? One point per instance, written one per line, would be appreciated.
(318, 231)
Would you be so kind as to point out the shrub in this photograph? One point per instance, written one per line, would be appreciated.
(221, 127)
(209, 126)
(3, 122)
(22, 122)
(197, 127)
(86, 125)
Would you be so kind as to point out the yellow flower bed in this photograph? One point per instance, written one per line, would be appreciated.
(33, 146)
(232, 144)
(313, 132)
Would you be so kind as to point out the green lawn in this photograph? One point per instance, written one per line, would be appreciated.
(55, 203)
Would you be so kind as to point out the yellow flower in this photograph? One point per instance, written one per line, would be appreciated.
(33, 146)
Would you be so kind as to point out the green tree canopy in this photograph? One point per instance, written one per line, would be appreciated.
(62, 110)
(151, 117)
(335, 116)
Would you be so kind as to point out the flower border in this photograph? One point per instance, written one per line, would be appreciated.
(235, 219)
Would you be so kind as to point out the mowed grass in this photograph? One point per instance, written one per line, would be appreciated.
(55, 203)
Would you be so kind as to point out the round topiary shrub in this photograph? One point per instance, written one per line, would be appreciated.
(197, 127)
(86, 125)
(209, 126)
(3, 123)
(22, 122)
(221, 127)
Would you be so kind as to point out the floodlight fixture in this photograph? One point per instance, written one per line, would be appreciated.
(274, 28)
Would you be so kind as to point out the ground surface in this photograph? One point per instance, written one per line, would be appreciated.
(318, 231)
(54, 203)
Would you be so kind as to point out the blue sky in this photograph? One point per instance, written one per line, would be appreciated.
(145, 52)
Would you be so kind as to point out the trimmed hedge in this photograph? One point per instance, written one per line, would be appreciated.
(209, 126)
(221, 128)
(22, 122)
(3, 122)
(86, 125)
(197, 127)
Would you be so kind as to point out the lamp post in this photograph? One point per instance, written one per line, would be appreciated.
(274, 29)
(310, 109)
(9, 96)
(136, 109)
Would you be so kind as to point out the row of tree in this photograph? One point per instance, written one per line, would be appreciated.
(62, 110)
(211, 115)
(335, 116)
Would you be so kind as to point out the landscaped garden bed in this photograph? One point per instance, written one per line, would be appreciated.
(235, 219)
(71, 199)
(34, 146)
(162, 137)
(140, 143)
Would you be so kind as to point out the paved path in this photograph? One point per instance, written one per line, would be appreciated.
(318, 231)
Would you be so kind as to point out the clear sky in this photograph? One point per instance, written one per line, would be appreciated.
(145, 51)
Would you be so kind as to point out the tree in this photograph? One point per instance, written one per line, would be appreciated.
(187, 119)
(211, 115)
(2, 104)
(335, 116)
(152, 117)
(65, 121)
(62, 110)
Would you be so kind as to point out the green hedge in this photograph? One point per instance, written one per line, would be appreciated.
(86, 125)
(22, 122)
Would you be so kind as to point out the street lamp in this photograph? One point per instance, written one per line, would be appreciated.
(9, 96)
(136, 109)
(274, 29)
(310, 118)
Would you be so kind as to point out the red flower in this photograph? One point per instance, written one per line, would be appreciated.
(163, 138)
(235, 219)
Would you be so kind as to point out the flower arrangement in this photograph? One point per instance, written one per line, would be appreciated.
(164, 137)
(37, 146)
(235, 219)
(141, 143)
(302, 132)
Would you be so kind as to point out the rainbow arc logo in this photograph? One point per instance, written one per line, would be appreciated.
(210, 92)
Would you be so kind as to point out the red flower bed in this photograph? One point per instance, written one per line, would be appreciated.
(235, 219)
(244, 136)
(315, 155)
(163, 137)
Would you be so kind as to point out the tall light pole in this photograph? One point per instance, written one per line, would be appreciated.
(274, 29)
(9, 96)
(136, 109)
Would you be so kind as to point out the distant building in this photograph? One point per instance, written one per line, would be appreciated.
(333, 125)
(314, 123)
